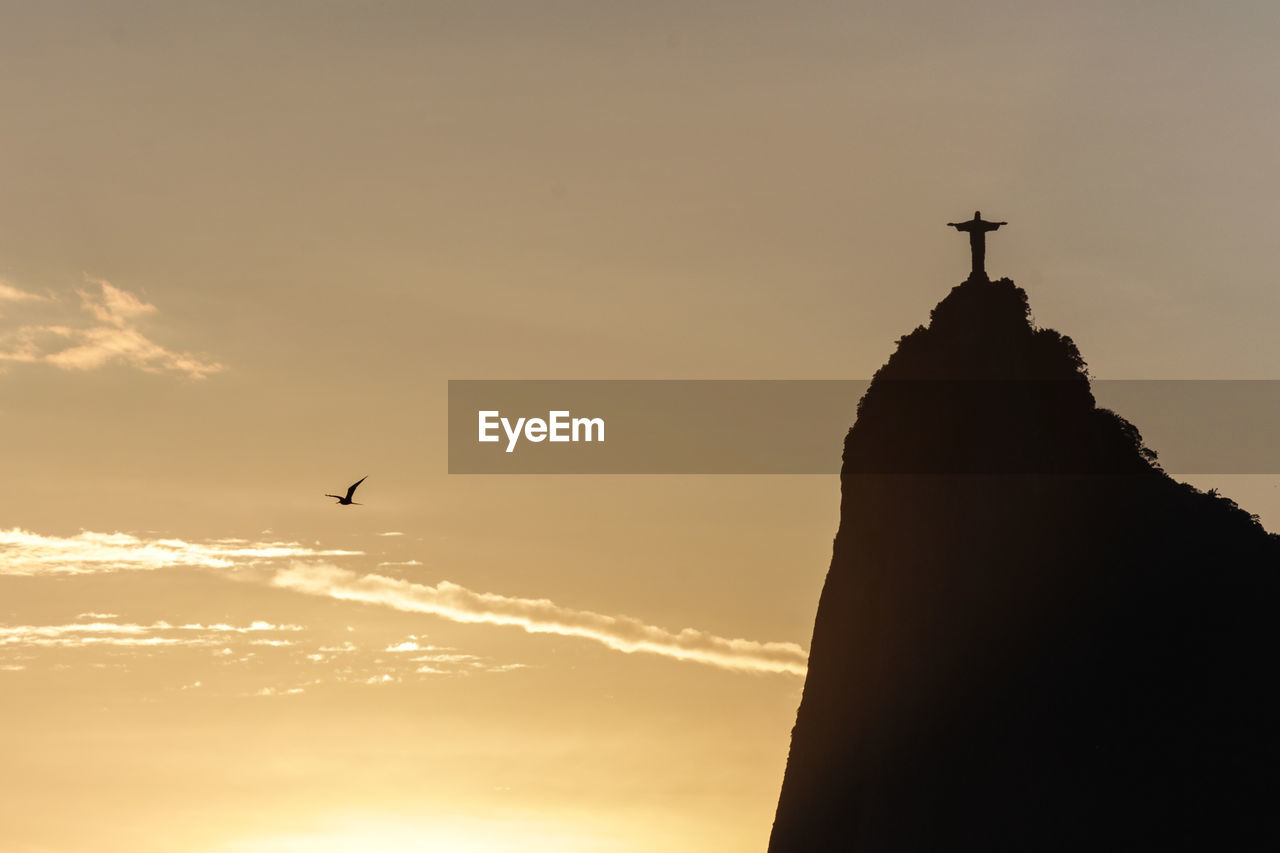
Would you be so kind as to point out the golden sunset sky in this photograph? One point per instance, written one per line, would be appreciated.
(244, 245)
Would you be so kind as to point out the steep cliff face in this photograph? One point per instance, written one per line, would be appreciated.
(1030, 637)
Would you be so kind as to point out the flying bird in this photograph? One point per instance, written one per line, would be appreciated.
(345, 500)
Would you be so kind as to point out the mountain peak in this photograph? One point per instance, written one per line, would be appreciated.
(983, 330)
(982, 390)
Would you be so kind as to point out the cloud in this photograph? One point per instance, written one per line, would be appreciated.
(278, 691)
(9, 293)
(25, 553)
(289, 565)
(541, 616)
(296, 654)
(81, 634)
(111, 336)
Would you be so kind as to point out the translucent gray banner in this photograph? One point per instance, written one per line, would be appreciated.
(798, 426)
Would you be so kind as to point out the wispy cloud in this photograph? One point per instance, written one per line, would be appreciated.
(290, 565)
(9, 293)
(85, 634)
(541, 616)
(279, 691)
(111, 334)
(290, 657)
(25, 553)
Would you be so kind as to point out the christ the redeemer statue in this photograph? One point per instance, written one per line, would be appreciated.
(977, 228)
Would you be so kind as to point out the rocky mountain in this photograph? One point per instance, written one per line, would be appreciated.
(1030, 637)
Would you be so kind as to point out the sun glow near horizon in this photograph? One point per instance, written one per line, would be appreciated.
(437, 834)
(411, 718)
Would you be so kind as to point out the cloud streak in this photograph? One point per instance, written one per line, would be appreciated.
(542, 616)
(111, 337)
(85, 634)
(292, 657)
(25, 553)
(290, 565)
(9, 293)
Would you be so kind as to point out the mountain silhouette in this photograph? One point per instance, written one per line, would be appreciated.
(1030, 637)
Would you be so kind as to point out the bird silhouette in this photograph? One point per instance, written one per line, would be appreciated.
(345, 500)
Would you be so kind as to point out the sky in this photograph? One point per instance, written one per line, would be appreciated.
(244, 246)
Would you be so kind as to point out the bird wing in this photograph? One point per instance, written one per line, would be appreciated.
(352, 489)
(339, 497)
